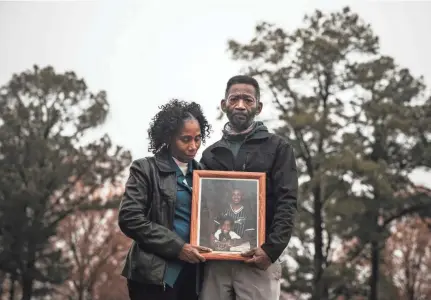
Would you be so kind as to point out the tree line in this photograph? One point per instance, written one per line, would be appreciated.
(360, 125)
(55, 189)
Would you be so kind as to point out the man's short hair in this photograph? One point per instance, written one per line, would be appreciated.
(236, 189)
(243, 79)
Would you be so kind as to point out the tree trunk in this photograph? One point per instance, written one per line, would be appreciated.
(28, 272)
(12, 289)
(411, 294)
(27, 277)
(375, 264)
(27, 287)
(2, 280)
(318, 293)
(81, 293)
(410, 291)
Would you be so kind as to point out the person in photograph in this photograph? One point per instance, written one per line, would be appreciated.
(244, 220)
(226, 239)
(223, 237)
(156, 207)
(247, 145)
(225, 232)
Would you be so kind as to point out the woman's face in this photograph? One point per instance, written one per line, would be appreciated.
(188, 141)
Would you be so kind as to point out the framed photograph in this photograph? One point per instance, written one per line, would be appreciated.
(228, 212)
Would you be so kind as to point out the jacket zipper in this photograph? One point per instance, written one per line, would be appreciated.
(172, 227)
(163, 277)
(246, 156)
(245, 162)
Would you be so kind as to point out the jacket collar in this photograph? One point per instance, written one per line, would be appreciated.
(260, 135)
(165, 164)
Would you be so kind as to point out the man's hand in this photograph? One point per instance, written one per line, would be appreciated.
(191, 254)
(257, 257)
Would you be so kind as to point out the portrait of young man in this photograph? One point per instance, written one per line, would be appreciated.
(244, 218)
(247, 145)
(236, 199)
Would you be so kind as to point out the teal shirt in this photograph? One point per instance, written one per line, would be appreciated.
(182, 216)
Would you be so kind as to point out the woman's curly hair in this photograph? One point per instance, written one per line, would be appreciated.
(168, 121)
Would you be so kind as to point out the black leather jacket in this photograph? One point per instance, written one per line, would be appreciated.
(264, 152)
(146, 215)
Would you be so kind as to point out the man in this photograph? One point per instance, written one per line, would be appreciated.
(244, 222)
(247, 145)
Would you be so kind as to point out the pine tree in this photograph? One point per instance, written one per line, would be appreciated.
(44, 116)
(388, 123)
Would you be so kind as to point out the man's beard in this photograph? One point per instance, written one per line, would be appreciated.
(241, 122)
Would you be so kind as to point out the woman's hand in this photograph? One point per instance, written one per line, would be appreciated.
(191, 254)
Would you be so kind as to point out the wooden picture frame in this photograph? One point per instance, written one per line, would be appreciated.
(228, 212)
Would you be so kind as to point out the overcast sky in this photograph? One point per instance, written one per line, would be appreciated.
(144, 53)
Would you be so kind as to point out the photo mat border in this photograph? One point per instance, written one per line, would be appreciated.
(198, 175)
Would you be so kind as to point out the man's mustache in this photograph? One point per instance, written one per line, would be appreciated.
(240, 114)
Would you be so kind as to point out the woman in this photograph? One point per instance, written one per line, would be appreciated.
(156, 207)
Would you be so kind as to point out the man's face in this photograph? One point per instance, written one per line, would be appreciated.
(236, 196)
(241, 106)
